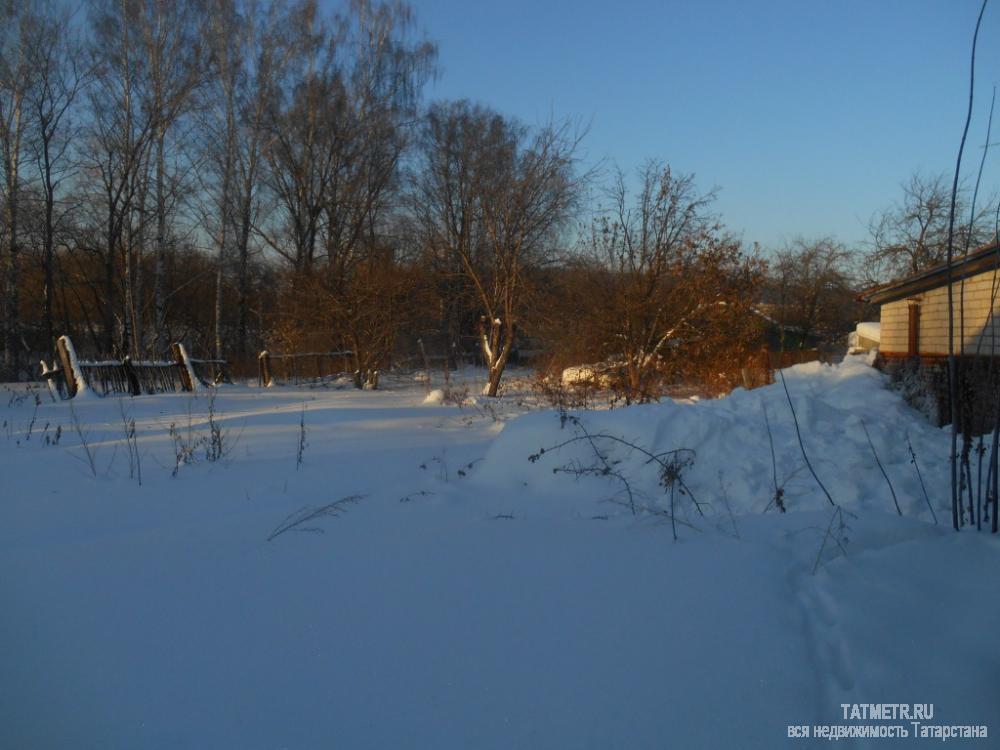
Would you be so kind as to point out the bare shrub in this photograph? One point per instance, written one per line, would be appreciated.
(298, 520)
(301, 448)
(836, 534)
(454, 394)
(548, 383)
(132, 443)
(215, 445)
(669, 293)
(673, 465)
(88, 452)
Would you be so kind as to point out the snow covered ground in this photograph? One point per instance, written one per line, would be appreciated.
(471, 597)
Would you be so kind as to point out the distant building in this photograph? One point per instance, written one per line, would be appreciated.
(913, 345)
(864, 338)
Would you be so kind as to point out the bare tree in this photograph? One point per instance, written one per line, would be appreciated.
(912, 235)
(146, 56)
(336, 131)
(226, 43)
(120, 132)
(385, 73)
(303, 136)
(495, 194)
(266, 52)
(17, 79)
(168, 34)
(813, 289)
(669, 290)
(56, 54)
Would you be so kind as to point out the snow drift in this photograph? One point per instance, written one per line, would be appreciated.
(729, 438)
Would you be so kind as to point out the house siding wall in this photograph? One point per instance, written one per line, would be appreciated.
(981, 329)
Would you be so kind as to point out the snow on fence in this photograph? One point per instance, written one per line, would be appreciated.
(300, 366)
(73, 377)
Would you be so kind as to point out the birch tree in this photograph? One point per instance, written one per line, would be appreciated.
(118, 141)
(17, 79)
(385, 71)
(226, 42)
(56, 55)
(266, 52)
(169, 38)
(302, 129)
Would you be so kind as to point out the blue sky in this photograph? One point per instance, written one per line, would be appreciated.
(807, 115)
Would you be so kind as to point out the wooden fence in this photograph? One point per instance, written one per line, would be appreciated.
(762, 366)
(782, 359)
(71, 375)
(302, 367)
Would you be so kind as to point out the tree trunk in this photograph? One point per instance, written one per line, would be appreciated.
(107, 309)
(159, 300)
(11, 299)
(11, 317)
(496, 346)
(48, 260)
(221, 260)
(243, 290)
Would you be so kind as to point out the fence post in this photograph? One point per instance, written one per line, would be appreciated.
(769, 365)
(66, 362)
(133, 379)
(264, 369)
(183, 366)
(49, 376)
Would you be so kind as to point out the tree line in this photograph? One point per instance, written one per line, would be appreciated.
(240, 173)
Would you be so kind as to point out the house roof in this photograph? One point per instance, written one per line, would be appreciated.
(982, 259)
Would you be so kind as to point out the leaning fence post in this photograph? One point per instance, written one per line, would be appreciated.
(264, 369)
(189, 381)
(66, 361)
